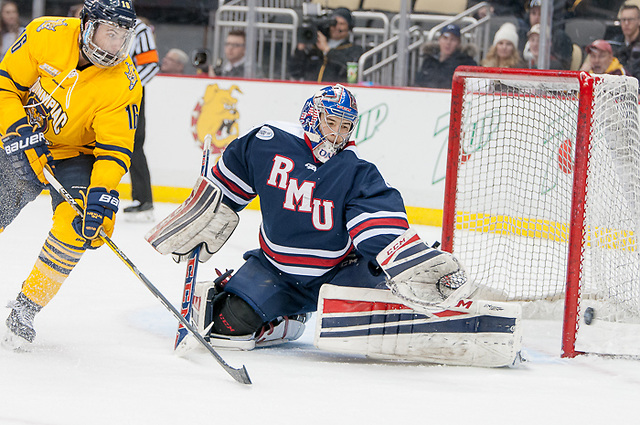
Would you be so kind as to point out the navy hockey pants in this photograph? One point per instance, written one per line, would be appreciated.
(272, 293)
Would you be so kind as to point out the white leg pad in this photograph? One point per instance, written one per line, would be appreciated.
(376, 323)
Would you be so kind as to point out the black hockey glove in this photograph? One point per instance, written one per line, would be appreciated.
(28, 153)
(99, 213)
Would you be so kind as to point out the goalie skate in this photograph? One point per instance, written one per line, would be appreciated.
(278, 331)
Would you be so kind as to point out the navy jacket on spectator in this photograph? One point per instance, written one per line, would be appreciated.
(629, 56)
(436, 74)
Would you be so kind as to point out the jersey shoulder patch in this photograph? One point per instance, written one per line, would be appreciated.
(292, 128)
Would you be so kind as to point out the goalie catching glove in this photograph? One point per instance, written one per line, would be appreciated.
(417, 274)
(201, 220)
(27, 151)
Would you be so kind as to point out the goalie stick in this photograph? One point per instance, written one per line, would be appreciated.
(192, 264)
(239, 374)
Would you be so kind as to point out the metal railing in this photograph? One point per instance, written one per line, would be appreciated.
(377, 65)
(275, 39)
(277, 34)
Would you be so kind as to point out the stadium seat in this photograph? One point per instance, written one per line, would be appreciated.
(585, 31)
(444, 7)
(576, 58)
(382, 5)
(334, 4)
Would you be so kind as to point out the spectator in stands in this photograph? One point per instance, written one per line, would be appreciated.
(628, 50)
(600, 59)
(504, 52)
(174, 62)
(561, 44)
(10, 27)
(532, 50)
(234, 50)
(327, 59)
(441, 59)
(499, 8)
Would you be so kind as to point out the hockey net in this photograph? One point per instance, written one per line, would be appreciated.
(542, 193)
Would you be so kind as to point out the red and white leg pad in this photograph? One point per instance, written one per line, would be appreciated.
(376, 323)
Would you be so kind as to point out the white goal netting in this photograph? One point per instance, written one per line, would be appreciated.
(515, 186)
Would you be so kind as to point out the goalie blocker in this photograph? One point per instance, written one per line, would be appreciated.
(200, 220)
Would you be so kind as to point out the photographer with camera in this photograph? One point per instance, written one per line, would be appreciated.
(324, 48)
(233, 63)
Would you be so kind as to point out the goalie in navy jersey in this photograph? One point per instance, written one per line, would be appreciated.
(329, 220)
(328, 217)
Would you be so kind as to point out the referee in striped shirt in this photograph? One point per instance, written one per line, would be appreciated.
(145, 57)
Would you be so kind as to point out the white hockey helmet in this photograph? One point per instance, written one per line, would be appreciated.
(330, 101)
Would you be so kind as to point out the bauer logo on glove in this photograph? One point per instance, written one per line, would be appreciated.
(21, 144)
(27, 151)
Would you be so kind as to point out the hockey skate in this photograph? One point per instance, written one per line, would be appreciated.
(139, 212)
(20, 322)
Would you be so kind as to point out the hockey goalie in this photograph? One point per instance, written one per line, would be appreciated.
(334, 239)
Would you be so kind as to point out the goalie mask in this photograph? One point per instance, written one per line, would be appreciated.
(328, 120)
(107, 31)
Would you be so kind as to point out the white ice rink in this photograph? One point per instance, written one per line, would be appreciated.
(104, 355)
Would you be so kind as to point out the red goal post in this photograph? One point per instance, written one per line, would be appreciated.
(542, 197)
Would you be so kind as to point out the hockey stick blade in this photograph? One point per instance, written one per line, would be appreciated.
(240, 374)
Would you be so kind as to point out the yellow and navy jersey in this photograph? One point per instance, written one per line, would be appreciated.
(89, 111)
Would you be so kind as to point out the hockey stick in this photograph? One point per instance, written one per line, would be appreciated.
(239, 375)
(192, 262)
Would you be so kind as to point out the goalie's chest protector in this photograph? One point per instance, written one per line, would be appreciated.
(306, 205)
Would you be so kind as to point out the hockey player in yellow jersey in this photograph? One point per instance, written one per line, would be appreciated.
(69, 99)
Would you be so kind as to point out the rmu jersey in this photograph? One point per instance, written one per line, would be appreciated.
(313, 214)
(92, 111)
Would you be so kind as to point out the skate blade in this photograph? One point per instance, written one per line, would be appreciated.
(13, 342)
(139, 217)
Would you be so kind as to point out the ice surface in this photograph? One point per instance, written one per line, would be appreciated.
(104, 355)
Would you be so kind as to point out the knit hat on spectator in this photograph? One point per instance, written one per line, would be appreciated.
(599, 45)
(506, 32)
(534, 30)
(346, 14)
(451, 29)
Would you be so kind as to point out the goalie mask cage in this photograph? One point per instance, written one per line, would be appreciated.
(541, 198)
